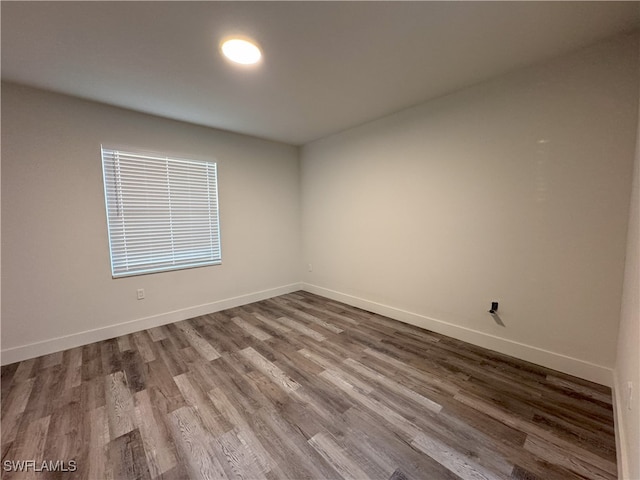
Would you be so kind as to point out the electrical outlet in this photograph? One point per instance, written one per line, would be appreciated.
(629, 395)
(141, 294)
(310, 267)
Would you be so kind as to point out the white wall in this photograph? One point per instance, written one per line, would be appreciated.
(515, 190)
(56, 278)
(628, 359)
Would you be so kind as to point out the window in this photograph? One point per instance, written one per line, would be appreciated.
(162, 212)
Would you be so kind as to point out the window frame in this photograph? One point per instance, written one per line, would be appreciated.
(153, 266)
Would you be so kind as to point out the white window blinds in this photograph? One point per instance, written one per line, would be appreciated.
(162, 212)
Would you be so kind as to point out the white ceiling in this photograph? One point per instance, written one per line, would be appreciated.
(327, 65)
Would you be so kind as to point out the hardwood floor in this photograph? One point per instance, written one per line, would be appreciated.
(301, 387)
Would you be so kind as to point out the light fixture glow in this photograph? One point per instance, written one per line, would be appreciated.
(241, 51)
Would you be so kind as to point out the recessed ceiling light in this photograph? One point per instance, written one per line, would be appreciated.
(241, 51)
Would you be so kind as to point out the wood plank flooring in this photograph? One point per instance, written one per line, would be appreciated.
(296, 387)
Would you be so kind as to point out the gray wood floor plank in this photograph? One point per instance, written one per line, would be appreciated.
(124, 343)
(337, 457)
(93, 462)
(195, 445)
(395, 420)
(532, 429)
(203, 347)
(251, 329)
(13, 408)
(574, 463)
(391, 384)
(271, 370)
(120, 406)
(297, 313)
(460, 464)
(24, 371)
(126, 457)
(272, 323)
(301, 328)
(158, 447)
(301, 386)
(143, 345)
(243, 460)
(157, 333)
(390, 449)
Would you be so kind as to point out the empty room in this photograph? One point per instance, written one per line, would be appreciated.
(320, 240)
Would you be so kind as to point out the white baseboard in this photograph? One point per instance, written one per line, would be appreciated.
(556, 361)
(563, 363)
(32, 350)
(620, 429)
